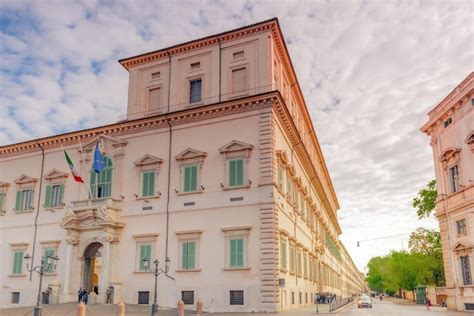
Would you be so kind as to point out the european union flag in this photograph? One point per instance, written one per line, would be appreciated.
(99, 162)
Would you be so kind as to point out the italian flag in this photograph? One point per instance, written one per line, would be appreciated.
(76, 175)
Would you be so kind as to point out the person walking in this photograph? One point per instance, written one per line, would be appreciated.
(85, 296)
(427, 303)
(79, 295)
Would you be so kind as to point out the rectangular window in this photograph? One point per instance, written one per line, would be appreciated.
(236, 297)
(236, 246)
(289, 189)
(292, 258)
(17, 262)
(461, 227)
(283, 253)
(195, 90)
(145, 252)
(196, 65)
(239, 79)
(24, 200)
(299, 267)
(239, 54)
(466, 270)
(188, 258)
(190, 178)
(305, 266)
(2, 201)
(143, 297)
(293, 298)
(236, 172)
(155, 75)
(49, 252)
(15, 297)
(54, 195)
(154, 100)
(454, 178)
(281, 178)
(187, 297)
(448, 122)
(300, 298)
(148, 183)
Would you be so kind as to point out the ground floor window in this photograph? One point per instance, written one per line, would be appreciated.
(292, 298)
(187, 297)
(15, 297)
(466, 270)
(143, 297)
(236, 297)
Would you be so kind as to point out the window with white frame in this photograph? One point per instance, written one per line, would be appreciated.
(237, 247)
(188, 243)
(54, 195)
(24, 199)
(195, 87)
(281, 178)
(18, 254)
(145, 251)
(149, 167)
(292, 257)
(236, 155)
(50, 249)
(191, 162)
(300, 262)
(2, 201)
(453, 173)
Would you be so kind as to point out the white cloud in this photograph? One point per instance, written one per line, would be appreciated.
(370, 71)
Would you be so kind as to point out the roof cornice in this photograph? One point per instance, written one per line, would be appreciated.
(247, 30)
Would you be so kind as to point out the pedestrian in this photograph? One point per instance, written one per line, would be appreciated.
(109, 295)
(79, 295)
(85, 296)
(427, 303)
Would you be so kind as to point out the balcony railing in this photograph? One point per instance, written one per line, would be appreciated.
(82, 205)
(205, 101)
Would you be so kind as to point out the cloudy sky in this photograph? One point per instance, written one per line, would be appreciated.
(369, 70)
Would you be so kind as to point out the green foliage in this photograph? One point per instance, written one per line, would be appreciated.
(425, 201)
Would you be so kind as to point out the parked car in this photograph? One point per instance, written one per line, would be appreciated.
(364, 301)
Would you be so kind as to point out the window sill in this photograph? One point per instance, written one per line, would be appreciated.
(292, 273)
(143, 272)
(227, 188)
(194, 104)
(50, 274)
(283, 270)
(16, 275)
(151, 197)
(188, 270)
(24, 212)
(53, 208)
(237, 269)
(188, 193)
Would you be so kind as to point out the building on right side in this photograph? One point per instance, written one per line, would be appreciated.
(451, 127)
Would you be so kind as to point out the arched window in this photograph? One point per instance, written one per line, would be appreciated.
(101, 183)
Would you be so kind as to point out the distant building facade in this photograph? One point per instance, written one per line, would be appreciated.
(451, 127)
(216, 167)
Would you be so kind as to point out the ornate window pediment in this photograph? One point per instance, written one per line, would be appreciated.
(460, 246)
(236, 146)
(107, 141)
(191, 153)
(148, 161)
(470, 140)
(55, 175)
(25, 179)
(449, 155)
(4, 185)
(282, 157)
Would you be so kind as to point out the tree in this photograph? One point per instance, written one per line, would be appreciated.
(425, 201)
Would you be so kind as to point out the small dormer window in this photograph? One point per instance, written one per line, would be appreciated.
(156, 75)
(195, 66)
(448, 122)
(239, 54)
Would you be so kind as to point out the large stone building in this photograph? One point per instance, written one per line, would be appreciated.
(451, 127)
(216, 168)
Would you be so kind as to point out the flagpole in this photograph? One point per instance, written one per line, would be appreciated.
(82, 188)
(83, 162)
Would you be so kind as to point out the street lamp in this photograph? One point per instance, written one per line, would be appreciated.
(156, 271)
(41, 269)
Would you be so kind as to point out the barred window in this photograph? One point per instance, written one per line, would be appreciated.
(187, 297)
(236, 297)
(143, 297)
(466, 270)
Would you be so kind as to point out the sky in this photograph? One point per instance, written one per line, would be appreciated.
(369, 70)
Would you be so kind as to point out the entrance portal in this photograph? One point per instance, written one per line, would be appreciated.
(92, 267)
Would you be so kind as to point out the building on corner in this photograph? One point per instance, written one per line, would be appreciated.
(451, 128)
(215, 169)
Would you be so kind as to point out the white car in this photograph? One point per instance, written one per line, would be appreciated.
(364, 301)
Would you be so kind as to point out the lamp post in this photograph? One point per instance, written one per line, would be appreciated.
(41, 269)
(156, 271)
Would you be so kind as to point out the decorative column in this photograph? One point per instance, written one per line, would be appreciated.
(67, 294)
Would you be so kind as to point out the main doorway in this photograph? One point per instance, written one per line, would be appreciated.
(92, 267)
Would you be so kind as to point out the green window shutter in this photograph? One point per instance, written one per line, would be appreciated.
(240, 252)
(187, 179)
(145, 252)
(2, 195)
(184, 258)
(47, 200)
(144, 183)
(148, 183)
(48, 253)
(240, 172)
(17, 262)
(61, 194)
(191, 255)
(193, 178)
(232, 172)
(18, 200)
(92, 180)
(233, 250)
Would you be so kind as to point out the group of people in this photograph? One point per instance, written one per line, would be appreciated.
(83, 295)
(324, 298)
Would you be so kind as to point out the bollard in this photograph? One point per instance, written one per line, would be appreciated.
(81, 309)
(180, 308)
(199, 307)
(121, 309)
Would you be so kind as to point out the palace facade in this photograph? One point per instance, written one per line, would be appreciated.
(215, 170)
(451, 127)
